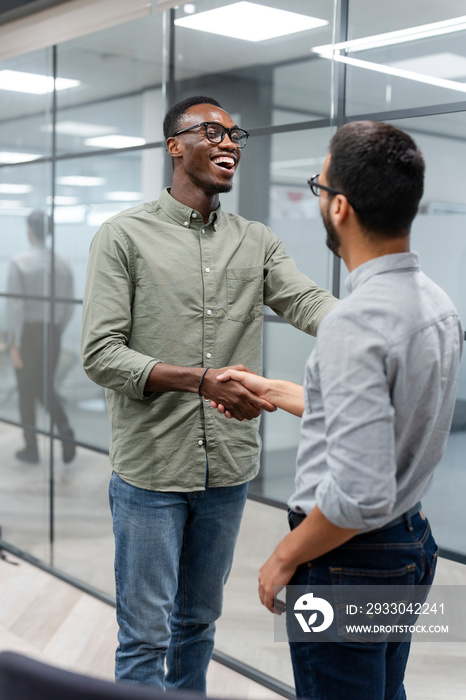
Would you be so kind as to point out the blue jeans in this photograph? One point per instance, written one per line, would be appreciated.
(355, 670)
(173, 554)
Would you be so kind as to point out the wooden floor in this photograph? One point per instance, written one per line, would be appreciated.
(47, 619)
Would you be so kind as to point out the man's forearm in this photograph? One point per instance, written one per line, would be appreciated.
(240, 402)
(315, 536)
(165, 377)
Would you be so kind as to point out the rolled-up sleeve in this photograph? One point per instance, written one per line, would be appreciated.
(359, 487)
(107, 318)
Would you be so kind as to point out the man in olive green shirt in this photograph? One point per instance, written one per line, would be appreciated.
(174, 295)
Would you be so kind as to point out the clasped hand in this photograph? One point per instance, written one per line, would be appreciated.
(236, 392)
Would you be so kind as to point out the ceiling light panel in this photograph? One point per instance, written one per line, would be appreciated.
(10, 203)
(439, 65)
(11, 188)
(115, 141)
(82, 129)
(32, 83)
(400, 73)
(249, 22)
(80, 181)
(401, 36)
(12, 157)
(125, 196)
(61, 200)
(70, 215)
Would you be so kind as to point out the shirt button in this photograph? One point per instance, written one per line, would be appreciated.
(186, 223)
(208, 355)
(200, 442)
(194, 215)
(209, 312)
(202, 230)
(207, 269)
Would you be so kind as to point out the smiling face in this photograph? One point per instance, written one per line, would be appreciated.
(203, 165)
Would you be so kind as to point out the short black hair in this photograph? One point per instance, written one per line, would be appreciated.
(172, 121)
(381, 171)
(39, 223)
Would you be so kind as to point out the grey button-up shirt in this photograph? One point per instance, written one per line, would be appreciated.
(29, 276)
(162, 286)
(380, 390)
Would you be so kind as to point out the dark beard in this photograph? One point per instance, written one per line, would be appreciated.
(210, 187)
(333, 239)
(214, 188)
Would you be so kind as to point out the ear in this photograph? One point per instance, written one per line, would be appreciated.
(174, 147)
(339, 209)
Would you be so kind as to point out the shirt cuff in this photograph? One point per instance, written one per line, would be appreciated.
(134, 386)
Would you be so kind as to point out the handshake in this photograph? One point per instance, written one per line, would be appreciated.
(239, 393)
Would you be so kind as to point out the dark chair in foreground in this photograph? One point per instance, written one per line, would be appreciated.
(23, 678)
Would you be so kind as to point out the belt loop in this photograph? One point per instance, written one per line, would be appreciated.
(408, 523)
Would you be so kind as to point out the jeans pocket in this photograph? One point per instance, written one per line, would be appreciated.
(373, 605)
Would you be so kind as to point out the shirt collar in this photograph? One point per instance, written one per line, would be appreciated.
(377, 266)
(183, 215)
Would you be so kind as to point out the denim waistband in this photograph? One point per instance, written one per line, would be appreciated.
(295, 519)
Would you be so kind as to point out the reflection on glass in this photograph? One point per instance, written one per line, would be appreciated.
(285, 353)
(24, 496)
(35, 328)
(251, 77)
(84, 400)
(91, 190)
(245, 630)
(294, 211)
(119, 102)
(83, 545)
(438, 236)
(415, 57)
(26, 107)
(302, 91)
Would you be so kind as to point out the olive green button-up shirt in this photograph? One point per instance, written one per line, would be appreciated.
(162, 286)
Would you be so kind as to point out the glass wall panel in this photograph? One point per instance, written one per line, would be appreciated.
(285, 355)
(23, 189)
(295, 217)
(90, 190)
(26, 87)
(246, 629)
(118, 101)
(83, 401)
(438, 236)
(294, 210)
(251, 77)
(423, 68)
(83, 538)
(25, 495)
(301, 91)
(25, 284)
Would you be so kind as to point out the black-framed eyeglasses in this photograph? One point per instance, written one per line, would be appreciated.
(315, 186)
(215, 133)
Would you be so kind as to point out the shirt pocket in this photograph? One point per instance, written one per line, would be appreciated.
(245, 291)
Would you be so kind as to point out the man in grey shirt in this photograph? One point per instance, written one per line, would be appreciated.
(34, 337)
(377, 404)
